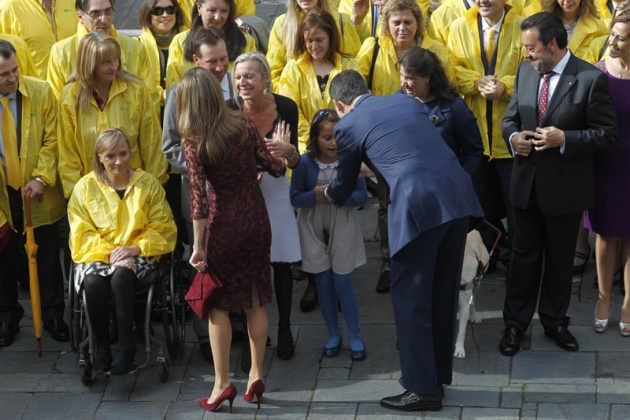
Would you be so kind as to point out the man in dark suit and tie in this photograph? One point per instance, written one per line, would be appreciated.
(431, 200)
(560, 114)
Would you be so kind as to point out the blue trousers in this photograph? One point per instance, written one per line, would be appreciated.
(424, 289)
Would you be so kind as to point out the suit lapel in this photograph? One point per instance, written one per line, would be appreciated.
(565, 84)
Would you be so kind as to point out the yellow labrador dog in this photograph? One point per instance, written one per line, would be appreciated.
(475, 262)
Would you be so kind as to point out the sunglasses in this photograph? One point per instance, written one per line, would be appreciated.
(159, 11)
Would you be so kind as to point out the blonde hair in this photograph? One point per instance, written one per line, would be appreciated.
(107, 140)
(265, 71)
(94, 48)
(204, 117)
(399, 6)
(292, 20)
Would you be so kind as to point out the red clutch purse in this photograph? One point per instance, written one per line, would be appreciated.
(202, 293)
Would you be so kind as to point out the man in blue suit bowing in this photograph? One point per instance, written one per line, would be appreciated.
(431, 201)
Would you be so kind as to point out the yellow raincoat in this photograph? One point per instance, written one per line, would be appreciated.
(464, 47)
(277, 53)
(26, 19)
(386, 77)
(100, 220)
(38, 152)
(128, 108)
(299, 82)
(365, 29)
(63, 59)
(596, 51)
(604, 13)
(441, 19)
(243, 7)
(585, 34)
(177, 65)
(22, 55)
(151, 48)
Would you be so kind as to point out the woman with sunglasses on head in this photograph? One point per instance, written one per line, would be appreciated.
(218, 13)
(160, 21)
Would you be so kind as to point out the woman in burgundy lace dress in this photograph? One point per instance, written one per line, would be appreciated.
(223, 153)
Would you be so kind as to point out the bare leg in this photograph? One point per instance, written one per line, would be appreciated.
(257, 326)
(607, 253)
(220, 330)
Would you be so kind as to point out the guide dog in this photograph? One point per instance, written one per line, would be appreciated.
(476, 259)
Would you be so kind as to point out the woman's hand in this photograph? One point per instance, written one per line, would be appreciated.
(198, 260)
(280, 143)
(121, 253)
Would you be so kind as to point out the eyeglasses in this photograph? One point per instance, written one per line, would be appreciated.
(159, 10)
(95, 14)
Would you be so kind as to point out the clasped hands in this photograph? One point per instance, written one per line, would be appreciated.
(122, 256)
(489, 87)
(541, 139)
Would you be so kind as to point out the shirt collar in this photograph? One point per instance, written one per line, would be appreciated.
(225, 86)
(497, 27)
(12, 95)
(559, 68)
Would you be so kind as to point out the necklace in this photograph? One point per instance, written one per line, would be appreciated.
(104, 175)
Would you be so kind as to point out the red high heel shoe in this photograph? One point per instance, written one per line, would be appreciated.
(228, 393)
(257, 388)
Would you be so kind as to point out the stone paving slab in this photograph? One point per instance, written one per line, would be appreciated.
(560, 393)
(553, 367)
(131, 410)
(14, 404)
(489, 413)
(64, 406)
(573, 411)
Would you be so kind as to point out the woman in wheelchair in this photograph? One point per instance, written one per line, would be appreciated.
(120, 223)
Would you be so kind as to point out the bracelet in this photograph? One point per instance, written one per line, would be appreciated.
(41, 181)
(293, 155)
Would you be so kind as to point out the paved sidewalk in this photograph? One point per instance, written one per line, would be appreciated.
(540, 382)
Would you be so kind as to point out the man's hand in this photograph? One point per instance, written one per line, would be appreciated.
(37, 190)
(433, 5)
(522, 143)
(489, 87)
(548, 138)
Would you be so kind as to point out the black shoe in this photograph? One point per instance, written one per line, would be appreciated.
(125, 363)
(286, 347)
(510, 343)
(410, 401)
(563, 338)
(58, 329)
(102, 360)
(441, 386)
(8, 331)
(384, 281)
(307, 303)
(206, 352)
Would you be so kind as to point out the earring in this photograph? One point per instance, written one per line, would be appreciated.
(265, 91)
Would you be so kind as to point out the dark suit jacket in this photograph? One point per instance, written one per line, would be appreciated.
(394, 137)
(581, 106)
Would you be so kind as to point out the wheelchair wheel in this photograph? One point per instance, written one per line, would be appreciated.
(75, 314)
(163, 371)
(171, 298)
(86, 373)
